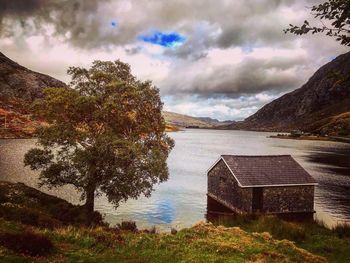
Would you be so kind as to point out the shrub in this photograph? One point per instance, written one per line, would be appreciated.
(3, 197)
(280, 229)
(27, 216)
(27, 243)
(128, 226)
(342, 230)
(152, 230)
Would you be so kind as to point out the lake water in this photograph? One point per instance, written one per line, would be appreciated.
(182, 201)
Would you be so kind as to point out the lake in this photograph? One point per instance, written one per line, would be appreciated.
(182, 201)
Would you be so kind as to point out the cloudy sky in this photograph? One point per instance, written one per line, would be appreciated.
(218, 58)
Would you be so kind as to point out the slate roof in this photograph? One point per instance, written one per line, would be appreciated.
(268, 170)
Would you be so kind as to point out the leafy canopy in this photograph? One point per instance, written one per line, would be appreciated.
(105, 134)
(335, 19)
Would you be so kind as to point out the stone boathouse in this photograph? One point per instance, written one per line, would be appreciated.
(261, 184)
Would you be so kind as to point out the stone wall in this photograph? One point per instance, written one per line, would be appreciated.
(288, 199)
(224, 187)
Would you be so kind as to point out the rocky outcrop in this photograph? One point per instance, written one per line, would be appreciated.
(326, 94)
(17, 81)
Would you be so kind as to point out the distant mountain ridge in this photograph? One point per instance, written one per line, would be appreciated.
(326, 94)
(214, 121)
(181, 120)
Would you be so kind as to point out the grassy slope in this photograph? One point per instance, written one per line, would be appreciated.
(24, 208)
(29, 206)
(333, 244)
(201, 243)
(181, 120)
(338, 125)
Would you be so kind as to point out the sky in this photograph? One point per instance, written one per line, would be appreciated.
(223, 59)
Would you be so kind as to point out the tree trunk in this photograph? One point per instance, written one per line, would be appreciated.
(89, 203)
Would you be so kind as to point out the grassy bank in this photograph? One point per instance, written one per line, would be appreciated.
(333, 244)
(36, 227)
(201, 243)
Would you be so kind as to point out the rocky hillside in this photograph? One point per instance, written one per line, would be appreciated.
(326, 94)
(17, 81)
(19, 87)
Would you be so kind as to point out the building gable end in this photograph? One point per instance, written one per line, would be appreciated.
(228, 167)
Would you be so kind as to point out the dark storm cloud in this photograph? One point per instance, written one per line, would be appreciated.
(87, 23)
(251, 76)
(77, 21)
(206, 24)
(20, 7)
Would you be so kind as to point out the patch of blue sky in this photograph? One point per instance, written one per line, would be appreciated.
(168, 40)
(114, 23)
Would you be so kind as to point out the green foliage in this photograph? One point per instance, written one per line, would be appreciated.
(334, 12)
(105, 134)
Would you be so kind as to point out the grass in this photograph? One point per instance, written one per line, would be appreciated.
(29, 217)
(29, 206)
(201, 243)
(333, 244)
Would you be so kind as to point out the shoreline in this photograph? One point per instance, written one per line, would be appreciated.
(312, 138)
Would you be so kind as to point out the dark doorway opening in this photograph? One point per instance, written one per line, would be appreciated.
(257, 204)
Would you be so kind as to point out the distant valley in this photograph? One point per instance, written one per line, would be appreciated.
(321, 106)
(183, 121)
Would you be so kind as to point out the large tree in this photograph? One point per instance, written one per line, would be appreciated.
(334, 16)
(105, 134)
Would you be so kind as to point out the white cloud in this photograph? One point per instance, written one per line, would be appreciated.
(235, 59)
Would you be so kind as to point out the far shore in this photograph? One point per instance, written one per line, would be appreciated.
(313, 138)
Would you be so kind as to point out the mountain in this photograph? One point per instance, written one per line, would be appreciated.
(181, 120)
(19, 87)
(19, 82)
(214, 121)
(311, 107)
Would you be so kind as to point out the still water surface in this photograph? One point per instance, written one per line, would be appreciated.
(182, 201)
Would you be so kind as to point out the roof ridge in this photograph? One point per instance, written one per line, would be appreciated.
(273, 155)
(266, 170)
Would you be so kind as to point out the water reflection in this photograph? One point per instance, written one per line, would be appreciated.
(182, 201)
(164, 212)
(331, 159)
